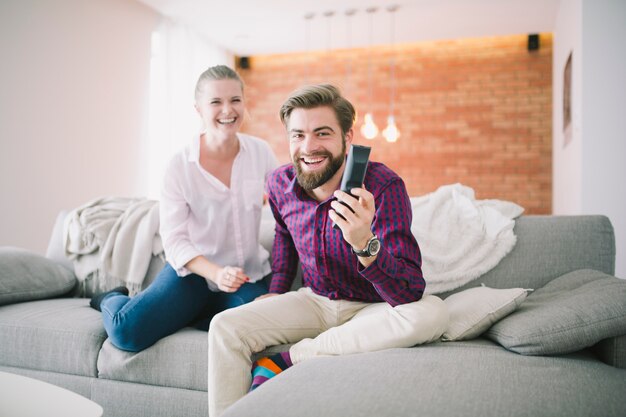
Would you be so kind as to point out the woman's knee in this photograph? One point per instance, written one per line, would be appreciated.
(132, 333)
(246, 294)
(131, 340)
(249, 291)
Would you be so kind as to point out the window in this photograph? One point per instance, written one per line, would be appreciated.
(178, 57)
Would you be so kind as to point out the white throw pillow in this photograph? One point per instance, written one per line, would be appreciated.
(475, 310)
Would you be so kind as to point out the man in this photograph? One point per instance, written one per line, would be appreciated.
(362, 284)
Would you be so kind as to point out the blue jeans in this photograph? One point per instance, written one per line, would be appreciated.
(166, 306)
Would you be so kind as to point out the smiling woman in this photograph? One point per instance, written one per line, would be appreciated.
(208, 225)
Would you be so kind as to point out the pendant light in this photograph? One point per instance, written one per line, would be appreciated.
(307, 40)
(391, 132)
(369, 129)
(328, 15)
(348, 88)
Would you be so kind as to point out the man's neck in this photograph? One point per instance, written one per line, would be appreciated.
(324, 191)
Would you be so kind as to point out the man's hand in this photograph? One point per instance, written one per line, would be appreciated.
(268, 295)
(230, 278)
(356, 224)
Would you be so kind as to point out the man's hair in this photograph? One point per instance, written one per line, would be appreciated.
(218, 72)
(317, 96)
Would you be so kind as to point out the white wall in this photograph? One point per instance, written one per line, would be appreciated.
(74, 87)
(604, 116)
(567, 160)
(589, 173)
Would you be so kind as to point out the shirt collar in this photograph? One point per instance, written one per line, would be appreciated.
(295, 188)
(291, 188)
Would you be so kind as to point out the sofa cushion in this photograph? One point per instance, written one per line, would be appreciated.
(125, 399)
(61, 335)
(178, 360)
(474, 310)
(469, 378)
(26, 276)
(612, 351)
(568, 314)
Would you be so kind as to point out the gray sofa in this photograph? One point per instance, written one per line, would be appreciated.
(61, 340)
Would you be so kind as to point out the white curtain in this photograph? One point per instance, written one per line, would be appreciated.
(179, 56)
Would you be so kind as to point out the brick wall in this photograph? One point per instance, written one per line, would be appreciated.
(474, 111)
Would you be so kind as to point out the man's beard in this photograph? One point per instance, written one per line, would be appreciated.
(311, 180)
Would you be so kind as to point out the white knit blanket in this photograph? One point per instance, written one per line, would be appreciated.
(112, 240)
(460, 237)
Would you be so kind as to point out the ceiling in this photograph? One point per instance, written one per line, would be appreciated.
(257, 27)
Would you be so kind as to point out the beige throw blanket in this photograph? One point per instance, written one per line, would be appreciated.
(112, 240)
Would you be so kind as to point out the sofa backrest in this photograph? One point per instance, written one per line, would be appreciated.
(547, 247)
(550, 246)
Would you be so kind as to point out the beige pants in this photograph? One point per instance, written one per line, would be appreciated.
(320, 326)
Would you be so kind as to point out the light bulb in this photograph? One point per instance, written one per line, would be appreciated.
(369, 128)
(391, 132)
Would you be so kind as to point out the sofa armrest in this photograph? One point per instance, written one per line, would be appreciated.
(56, 249)
(612, 351)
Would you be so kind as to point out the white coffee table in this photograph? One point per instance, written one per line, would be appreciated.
(26, 397)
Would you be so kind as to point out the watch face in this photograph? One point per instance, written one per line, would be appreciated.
(374, 247)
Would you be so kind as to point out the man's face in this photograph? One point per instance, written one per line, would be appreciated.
(316, 145)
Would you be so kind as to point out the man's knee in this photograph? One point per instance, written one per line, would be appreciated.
(429, 316)
(227, 324)
(440, 313)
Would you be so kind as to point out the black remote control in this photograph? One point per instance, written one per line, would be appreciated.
(354, 173)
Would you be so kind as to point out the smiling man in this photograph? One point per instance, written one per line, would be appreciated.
(362, 284)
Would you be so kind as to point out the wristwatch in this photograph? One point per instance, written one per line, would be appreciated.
(371, 249)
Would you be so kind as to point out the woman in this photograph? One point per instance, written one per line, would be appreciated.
(210, 214)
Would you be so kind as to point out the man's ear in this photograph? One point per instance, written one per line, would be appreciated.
(349, 137)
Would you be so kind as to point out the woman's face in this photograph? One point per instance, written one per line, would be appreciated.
(221, 107)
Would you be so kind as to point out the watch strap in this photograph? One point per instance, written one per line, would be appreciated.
(366, 251)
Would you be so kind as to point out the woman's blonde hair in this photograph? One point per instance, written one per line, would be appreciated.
(217, 72)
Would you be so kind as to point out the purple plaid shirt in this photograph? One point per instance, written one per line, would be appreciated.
(304, 231)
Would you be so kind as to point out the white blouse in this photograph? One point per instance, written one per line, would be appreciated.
(202, 216)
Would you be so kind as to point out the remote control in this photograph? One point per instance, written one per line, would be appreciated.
(354, 173)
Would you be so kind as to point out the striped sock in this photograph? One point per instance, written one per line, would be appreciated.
(268, 367)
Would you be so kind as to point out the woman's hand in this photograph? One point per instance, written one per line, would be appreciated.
(227, 278)
(230, 278)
